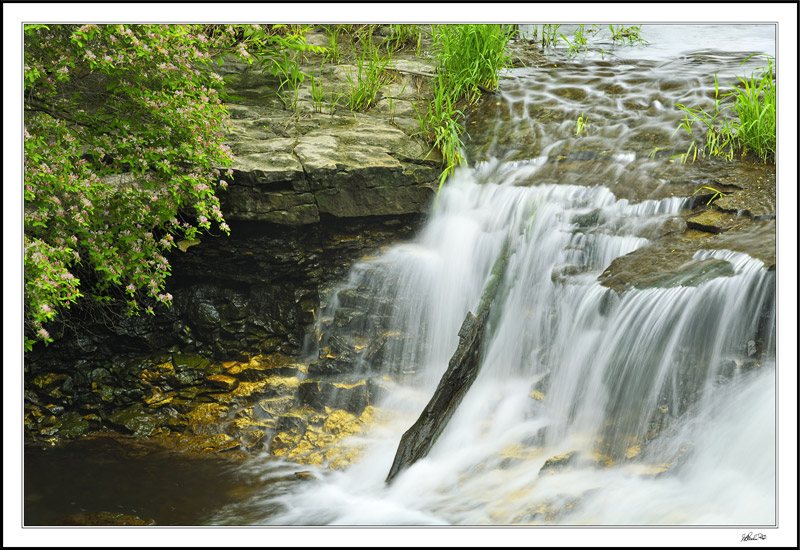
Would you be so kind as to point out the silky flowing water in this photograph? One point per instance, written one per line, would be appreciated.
(655, 406)
(616, 368)
(590, 408)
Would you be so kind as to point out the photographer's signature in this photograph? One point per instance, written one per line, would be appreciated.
(753, 536)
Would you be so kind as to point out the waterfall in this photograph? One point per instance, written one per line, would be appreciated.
(652, 404)
(652, 407)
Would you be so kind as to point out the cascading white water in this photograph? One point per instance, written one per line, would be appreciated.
(655, 406)
(649, 391)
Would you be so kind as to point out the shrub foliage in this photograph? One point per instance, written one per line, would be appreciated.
(124, 148)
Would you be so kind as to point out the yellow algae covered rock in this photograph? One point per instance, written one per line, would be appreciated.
(602, 459)
(253, 438)
(251, 429)
(315, 459)
(557, 463)
(227, 383)
(274, 385)
(326, 443)
(543, 512)
(209, 443)
(337, 421)
(207, 413)
(343, 461)
(540, 513)
(537, 395)
(154, 373)
(517, 452)
(345, 386)
(283, 442)
(159, 398)
(647, 469)
(246, 420)
(261, 366)
(633, 451)
(305, 446)
(50, 381)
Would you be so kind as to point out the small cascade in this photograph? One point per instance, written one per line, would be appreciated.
(582, 393)
(646, 400)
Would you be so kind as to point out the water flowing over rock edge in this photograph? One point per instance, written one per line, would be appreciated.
(207, 314)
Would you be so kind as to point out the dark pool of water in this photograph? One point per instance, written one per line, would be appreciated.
(92, 476)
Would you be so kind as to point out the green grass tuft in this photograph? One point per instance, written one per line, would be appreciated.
(751, 131)
(468, 59)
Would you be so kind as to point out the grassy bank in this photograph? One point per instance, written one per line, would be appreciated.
(466, 60)
(741, 122)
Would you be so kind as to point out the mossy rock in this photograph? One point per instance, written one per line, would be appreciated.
(136, 420)
(72, 425)
(191, 362)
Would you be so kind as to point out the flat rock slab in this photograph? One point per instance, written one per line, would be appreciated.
(289, 168)
(669, 262)
(755, 195)
(715, 221)
(266, 161)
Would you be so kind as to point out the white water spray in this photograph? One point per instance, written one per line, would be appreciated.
(589, 408)
(655, 406)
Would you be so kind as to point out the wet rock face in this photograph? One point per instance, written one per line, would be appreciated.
(257, 291)
(265, 299)
(188, 403)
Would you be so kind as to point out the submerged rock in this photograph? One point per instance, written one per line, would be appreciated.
(97, 519)
(557, 463)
